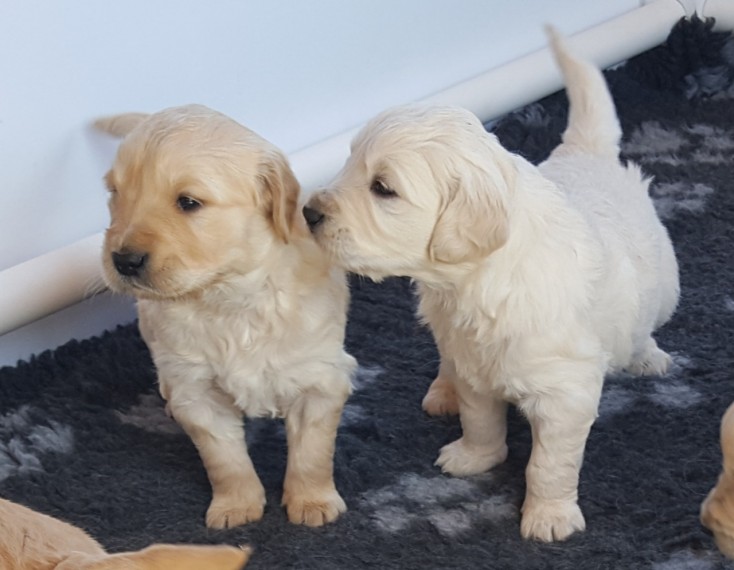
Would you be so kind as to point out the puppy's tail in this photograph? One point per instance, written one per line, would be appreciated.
(593, 125)
(119, 125)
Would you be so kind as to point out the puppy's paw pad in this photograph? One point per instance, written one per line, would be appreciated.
(460, 459)
(440, 400)
(314, 510)
(549, 521)
(228, 514)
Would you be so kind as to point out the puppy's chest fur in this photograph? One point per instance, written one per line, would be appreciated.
(477, 343)
(263, 351)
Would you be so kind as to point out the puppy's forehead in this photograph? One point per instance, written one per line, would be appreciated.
(183, 139)
(185, 132)
(412, 127)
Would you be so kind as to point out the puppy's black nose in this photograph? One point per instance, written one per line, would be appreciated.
(129, 264)
(313, 217)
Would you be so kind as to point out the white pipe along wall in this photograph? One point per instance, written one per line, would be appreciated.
(75, 270)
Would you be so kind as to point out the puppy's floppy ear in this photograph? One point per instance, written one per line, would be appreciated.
(119, 125)
(473, 222)
(281, 190)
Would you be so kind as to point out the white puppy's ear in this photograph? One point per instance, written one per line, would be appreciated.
(473, 223)
(281, 193)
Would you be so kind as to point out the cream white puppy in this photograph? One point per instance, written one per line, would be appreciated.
(535, 281)
(241, 310)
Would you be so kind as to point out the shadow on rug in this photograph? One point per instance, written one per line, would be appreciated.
(84, 436)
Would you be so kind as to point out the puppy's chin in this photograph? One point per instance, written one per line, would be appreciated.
(142, 288)
(343, 257)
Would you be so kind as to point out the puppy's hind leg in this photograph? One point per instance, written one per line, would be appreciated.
(560, 422)
(215, 425)
(309, 494)
(649, 360)
(483, 441)
(441, 398)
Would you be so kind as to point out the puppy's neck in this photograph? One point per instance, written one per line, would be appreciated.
(546, 261)
(286, 268)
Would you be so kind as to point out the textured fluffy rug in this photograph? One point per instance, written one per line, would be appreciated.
(83, 434)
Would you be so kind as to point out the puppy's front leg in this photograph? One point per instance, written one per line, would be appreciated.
(441, 398)
(309, 493)
(484, 425)
(215, 426)
(560, 425)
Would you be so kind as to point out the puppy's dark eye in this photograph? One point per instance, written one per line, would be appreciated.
(380, 189)
(188, 204)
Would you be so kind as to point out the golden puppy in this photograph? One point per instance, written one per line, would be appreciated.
(33, 541)
(535, 281)
(717, 510)
(240, 309)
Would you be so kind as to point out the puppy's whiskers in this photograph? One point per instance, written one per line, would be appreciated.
(94, 286)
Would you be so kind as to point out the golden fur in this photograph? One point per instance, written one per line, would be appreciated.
(241, 310)
(717, 510)
(34, 541)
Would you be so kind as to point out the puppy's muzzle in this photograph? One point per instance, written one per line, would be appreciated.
(314, 218)
(129, 263)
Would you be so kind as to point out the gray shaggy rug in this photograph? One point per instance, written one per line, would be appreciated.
(83, 433)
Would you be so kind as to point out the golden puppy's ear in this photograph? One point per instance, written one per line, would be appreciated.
(119, 125)
(281, 193)
(473, 223)
(165, 557)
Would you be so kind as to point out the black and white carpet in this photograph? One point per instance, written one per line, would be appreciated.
(83, 433)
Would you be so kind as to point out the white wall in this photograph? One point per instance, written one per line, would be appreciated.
(295, 71)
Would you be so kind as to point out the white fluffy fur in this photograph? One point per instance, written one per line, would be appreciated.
(535, 281)
(241, 310)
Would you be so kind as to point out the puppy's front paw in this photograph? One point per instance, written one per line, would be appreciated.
(550, 521)
(228, 511)
(441, 400)
(314, 509)
(460, 459)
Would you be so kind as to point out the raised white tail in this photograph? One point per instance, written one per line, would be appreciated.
(592, 119)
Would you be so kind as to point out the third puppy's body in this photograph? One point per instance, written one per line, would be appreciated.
(535, 281)
(30, 540)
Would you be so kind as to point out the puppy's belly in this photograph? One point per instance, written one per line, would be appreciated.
(262, 368)
(254, 385)
(513, 369)
(262, 393)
